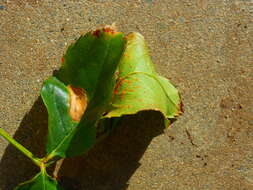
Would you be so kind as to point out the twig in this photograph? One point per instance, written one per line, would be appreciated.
(190, 137)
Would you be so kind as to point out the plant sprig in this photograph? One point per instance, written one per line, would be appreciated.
(104, 75)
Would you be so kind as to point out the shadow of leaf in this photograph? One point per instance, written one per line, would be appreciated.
(109, 165)
(14, 166)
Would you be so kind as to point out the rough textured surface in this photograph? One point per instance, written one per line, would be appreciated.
(202, 46)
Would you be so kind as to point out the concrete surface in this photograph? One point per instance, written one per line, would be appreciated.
(203, 46)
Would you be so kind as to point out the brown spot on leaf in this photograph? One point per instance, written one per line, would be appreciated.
(130, 36)
(128, 81)
(78, 102)
(96, 33)
(62, 59)
(127, 56)
(181, 107)
(122, 94)
(110, 29)
(128, 106)
(130, 90)
(117, 86)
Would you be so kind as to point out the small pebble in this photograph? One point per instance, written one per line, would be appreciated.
(250, 122)
(2, 7)
(181, 19)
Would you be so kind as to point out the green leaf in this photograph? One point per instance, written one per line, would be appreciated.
(89, 65)
(139, 87)
(41, 181)
(61, 127)
(91, 61)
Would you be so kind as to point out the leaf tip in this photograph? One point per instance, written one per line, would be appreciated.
(110, 29)
(134, 35)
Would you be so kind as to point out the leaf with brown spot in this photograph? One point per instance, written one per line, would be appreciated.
(138, 80)
(79, 94)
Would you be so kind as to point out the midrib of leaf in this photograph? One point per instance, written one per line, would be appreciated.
(44, 175)
(58, 113)
(44, 181)
(53, 153)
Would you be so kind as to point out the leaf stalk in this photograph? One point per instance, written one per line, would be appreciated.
(20, 147)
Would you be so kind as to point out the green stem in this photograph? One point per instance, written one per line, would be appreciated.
(49, 157)
(20, 147)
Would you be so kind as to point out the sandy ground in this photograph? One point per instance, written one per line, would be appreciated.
(203, 46)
